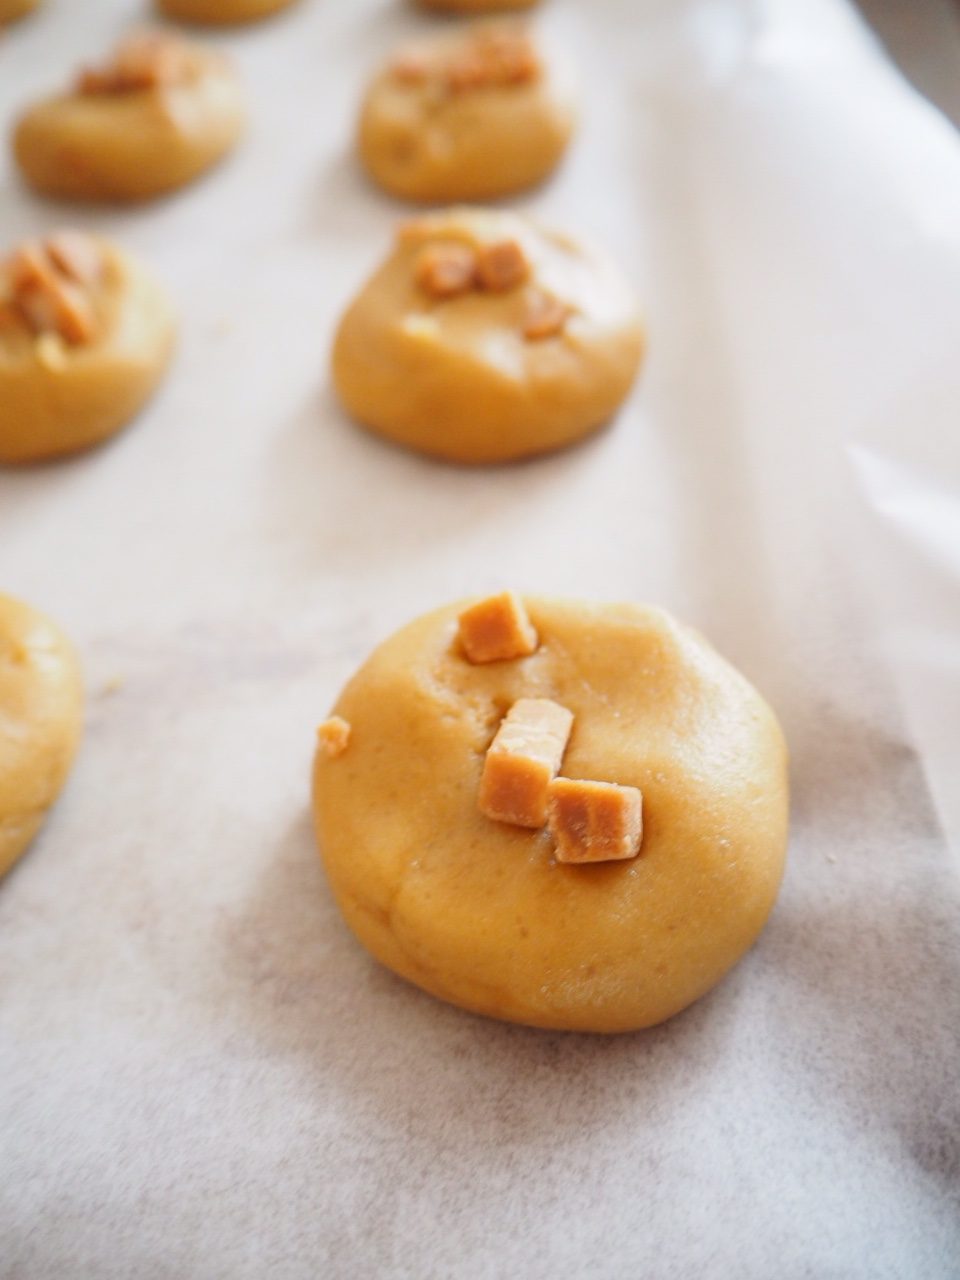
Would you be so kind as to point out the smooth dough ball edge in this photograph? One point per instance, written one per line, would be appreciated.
(476, 6)
(221, 12)
(41, 709)
(477, 912)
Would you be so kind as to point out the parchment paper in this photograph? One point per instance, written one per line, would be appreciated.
(201, 1073)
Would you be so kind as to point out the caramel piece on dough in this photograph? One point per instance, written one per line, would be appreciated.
(333, 736)
(523, 760)
(594, 821)
(497, 630)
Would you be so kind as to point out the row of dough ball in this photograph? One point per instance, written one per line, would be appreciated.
(483, 338)
(224, 12)
(472, 114)
(477, 907)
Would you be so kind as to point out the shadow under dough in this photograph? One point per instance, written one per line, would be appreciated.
(304, 987)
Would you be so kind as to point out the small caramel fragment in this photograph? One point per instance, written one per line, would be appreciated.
(494, 57)
(333, 736)
(546, 317)
(501, 266)
(147, 60)
(76, 255)
(594, 821)
(523, 760)
(446, 270)
(497, 629)
(48, 302)
(410, 68)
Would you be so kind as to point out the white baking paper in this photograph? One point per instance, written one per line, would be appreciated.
(201, 1073)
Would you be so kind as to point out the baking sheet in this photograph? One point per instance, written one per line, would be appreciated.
(202, 1074)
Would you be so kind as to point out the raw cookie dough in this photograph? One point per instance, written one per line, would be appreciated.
(479, 912)
(85, 337)
(41, 707)
(475, 6)
(485, 338)
(159, 114)
(471, 114)
(10, 10)
(221, 12)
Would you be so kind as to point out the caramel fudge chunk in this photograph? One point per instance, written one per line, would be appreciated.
(502, 266)
(594, 821)
(77, 255)
(46, 283)
(523, 759)
(447, 270)
(497, 629)
(333, 736)
(492, 57)
(546, 317)
(146, 60)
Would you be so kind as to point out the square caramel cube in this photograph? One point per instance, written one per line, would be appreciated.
(523, 759)
(594, 821)
(497, 629)
(333, 736)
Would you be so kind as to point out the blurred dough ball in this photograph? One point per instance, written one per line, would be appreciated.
(221, 12)
(10, 10)
(471, 114)
(159, 114)
(475, 6)
(485, 338)
(85, 337)
(41, 709)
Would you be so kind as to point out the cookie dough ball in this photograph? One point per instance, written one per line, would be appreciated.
(157, 116)
(481, 912)
(475, 6)
(85, 337)
(485, 338)
(467, 115)
(10, 10)
(41, 706)
(221, 12)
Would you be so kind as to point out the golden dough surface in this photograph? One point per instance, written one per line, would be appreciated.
(130, 146)
(221, 12)
(10, 10)
(56, 398)
(480, 913)
(457, 377)
(422, 141)
(41, 708)
(476, 6)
